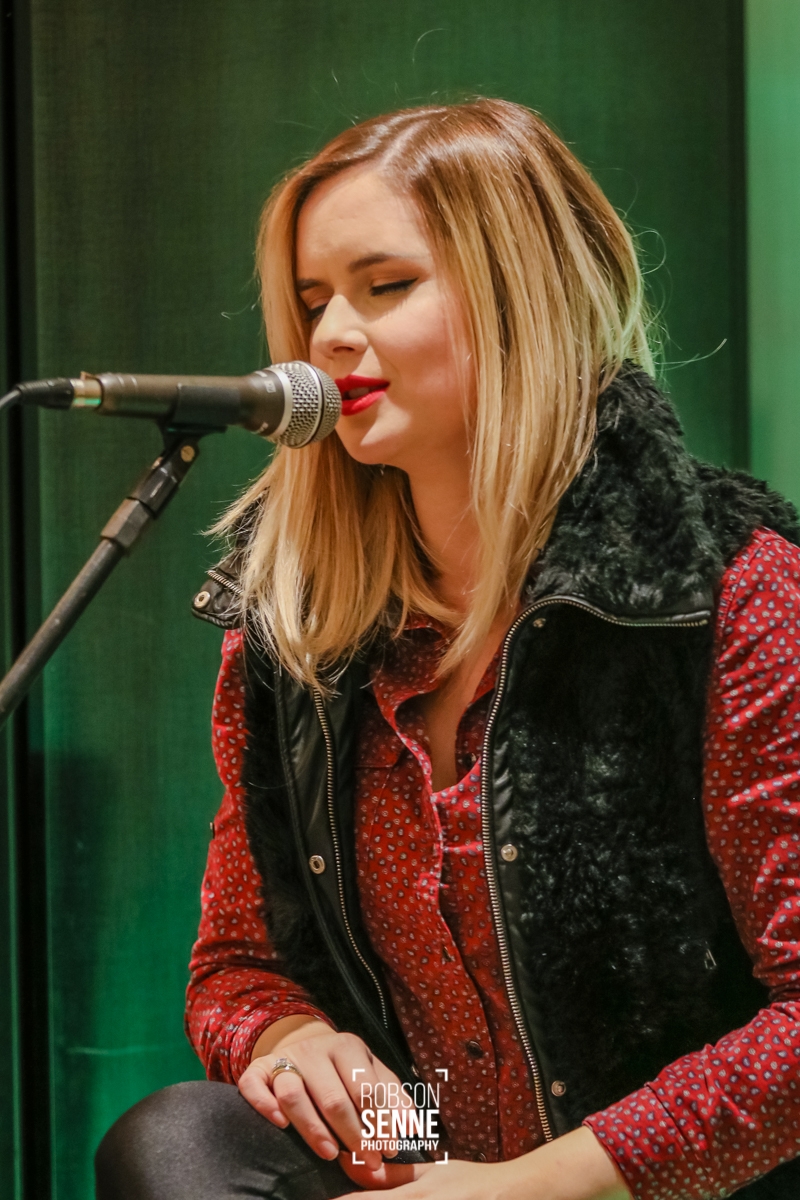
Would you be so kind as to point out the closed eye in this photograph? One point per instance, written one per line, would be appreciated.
(311, 314)
(399, 285)
(378, 289)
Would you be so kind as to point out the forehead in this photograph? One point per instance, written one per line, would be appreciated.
(353, 215)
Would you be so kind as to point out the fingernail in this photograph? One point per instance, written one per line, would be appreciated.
(329, 1150)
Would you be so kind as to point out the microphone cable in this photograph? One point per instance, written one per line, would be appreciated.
(10, 398)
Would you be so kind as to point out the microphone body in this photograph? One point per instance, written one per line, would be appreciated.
(289, 403)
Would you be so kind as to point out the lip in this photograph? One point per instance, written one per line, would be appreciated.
(350, 383)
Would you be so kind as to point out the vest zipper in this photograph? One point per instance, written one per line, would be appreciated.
(330, 790)
(691, 621)
(226, 582)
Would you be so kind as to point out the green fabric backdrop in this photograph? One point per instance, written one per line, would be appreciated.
(157, 131)
(773, 134)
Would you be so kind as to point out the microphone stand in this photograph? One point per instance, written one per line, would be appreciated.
(138, 510)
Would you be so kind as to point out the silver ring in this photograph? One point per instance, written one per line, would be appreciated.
(283, 1064)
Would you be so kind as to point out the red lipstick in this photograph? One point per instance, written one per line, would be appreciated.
(359, 392)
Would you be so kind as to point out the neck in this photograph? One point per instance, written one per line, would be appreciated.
(449, 530)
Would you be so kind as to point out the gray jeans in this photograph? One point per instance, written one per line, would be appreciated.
(203, 1141)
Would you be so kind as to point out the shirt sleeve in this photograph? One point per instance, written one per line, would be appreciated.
(720, 1118)
(236, 986)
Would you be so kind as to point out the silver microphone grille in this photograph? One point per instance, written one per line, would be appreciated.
(315, 402)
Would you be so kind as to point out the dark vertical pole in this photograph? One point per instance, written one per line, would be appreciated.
(33, 1041)
(10, 1131)
(740, 399)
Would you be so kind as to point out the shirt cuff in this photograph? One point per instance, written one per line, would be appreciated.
(244, 1039)
(656, 1160)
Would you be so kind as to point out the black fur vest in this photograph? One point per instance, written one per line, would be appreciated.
(619, 946)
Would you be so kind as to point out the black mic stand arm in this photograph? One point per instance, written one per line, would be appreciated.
(143, 505)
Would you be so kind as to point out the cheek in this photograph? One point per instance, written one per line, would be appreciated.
(432, 346)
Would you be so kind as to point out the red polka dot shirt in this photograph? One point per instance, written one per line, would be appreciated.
(710, 1122)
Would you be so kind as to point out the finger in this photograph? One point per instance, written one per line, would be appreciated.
(386, 1076)
(357, 1065)
(297, 1105)
(388, 1175)
(327, 1088)
(406, 1187)
(255, 1087)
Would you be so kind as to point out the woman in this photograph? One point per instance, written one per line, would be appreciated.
(502, 631)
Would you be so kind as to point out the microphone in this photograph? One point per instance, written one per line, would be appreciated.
(290, 403)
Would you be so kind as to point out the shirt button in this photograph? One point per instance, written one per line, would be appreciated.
(317, 863)
(474, 1049)
(480, 1157)
(508, 852)
(558, 1087)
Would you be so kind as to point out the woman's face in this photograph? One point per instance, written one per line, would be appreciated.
(384, 324)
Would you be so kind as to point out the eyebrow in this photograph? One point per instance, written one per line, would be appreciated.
(359, 264)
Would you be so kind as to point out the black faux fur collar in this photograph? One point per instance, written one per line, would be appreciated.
(640, 531)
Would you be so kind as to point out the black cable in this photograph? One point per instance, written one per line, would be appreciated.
(10, 398)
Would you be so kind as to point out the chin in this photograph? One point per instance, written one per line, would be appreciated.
(371, 450)
(369, 456)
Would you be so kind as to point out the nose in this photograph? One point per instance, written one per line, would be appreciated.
(339, 331)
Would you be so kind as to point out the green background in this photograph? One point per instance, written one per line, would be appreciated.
(145, 138)
(773, 139)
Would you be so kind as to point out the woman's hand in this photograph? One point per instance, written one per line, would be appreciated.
(573, 1167)
(325, 1104)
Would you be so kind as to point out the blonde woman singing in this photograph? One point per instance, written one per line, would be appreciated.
(507, 723)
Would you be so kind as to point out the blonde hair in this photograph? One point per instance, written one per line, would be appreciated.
(554, 304)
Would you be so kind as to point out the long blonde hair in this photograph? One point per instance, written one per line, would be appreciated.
(554, 304)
